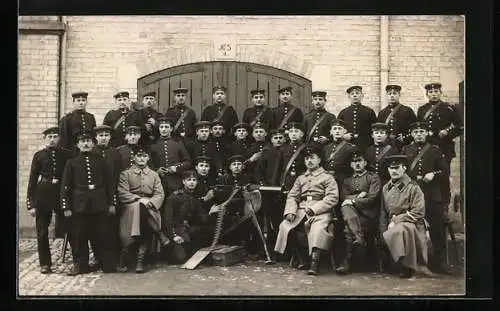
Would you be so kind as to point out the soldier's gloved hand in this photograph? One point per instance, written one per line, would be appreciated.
(111, 210)
(442, 133)
(214, 209)
(210, 195)
(144, 201)
(171, 169)
(32, 212)
(322, 139)
(348, 136)
(290, 217)
(255, 157)
(309, 212)
(347, 202)
(162, 171)
(428, 177)
(178, 239)
(362, 194)
(67, 213)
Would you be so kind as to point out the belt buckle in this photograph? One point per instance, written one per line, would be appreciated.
(55, 181)
(309, 198)
(91, 187)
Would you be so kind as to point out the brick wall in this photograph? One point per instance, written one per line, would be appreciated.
(107, 53)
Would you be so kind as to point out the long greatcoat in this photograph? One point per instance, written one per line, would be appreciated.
(135, 184)
(403, 204)
(317, 184)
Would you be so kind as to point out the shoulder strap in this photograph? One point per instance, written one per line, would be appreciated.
(393, 112)
(257, 117)
(290, 162)
(427, 114)
(339, 147)
(119, 121)
(383, 152)
(419, 156)
(316, 124)
(221, 114)
(181, 118)
(287, 117)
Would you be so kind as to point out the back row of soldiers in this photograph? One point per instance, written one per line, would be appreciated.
(176, 141)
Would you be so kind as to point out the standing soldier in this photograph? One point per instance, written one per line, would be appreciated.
(147, 118)
(43, 193)
(427, 168)
(443, 125)
(87, 195)
(381, 148)
(260, 112)
(127, 152)
(256, 149)
(219, 142)
(286, 112)
(358, 119)
(401, 222)
(220, 111)
(338, 152)
(120, 119)
(292, 156)
(397, 116)
(169, 157)
(308, 213)
(183, 116)
(74, 122)
(318, 121)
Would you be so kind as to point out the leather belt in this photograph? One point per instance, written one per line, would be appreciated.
(50, 180)
(310, 198)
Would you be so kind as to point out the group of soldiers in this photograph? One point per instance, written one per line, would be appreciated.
(169, 183)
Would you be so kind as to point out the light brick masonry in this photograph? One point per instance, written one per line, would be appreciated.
(107, 53)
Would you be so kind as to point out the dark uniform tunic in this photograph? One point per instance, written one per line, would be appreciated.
(251, 167)
(185, 216)
(399, 123)
(259, 114)
(127, 153)
(196, 148)
(142, 116)
(220, 154)
(166, 153)
(296, 168)
(431, 161)
(240, 147)
(358, 120)
(229, 118)
(337, 160)
(375, 155)
(282, 110)
(111, 119)
(44, 188)
(323, 129)
(87, 191)
(72, 124)
(186, 125)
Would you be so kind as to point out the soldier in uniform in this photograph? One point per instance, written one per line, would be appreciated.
(74, 122)
(169, 157)
(127, 152)
(120, 119)
(443, 125)
(201, 146)
(381, 148)
(43, 193)
(401, 222)
(318, 121)
(220, 111)
(360, 209)
(241, 143)
(358, 119)
(87, 193)
(256, 149)
(186, 221)
(292, 156)
(147, 118)
(141, 194)
(219, 142)
(308, 213)
(427, 168)
(111, 156)
(338, 152)
(286, 112)
(397, 116)
(260, 112)
(183, 116)
(206, 180)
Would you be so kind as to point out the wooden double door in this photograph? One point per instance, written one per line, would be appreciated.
(238, 77)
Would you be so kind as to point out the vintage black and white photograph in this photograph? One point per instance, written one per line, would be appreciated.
(241, 155)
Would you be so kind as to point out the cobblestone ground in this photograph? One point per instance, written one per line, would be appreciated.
(248, 278)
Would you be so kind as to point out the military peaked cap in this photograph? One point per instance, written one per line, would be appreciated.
(51, 130)
(313, 149)
(276, 131)
(380, 126)
(202, 124)
(395, 160)
(103, 128)
(83, 135)
(189, 174)
(132, 129)
(152, 93)
(80, 95)
(219, 88)
(418, 125)
(241, 125)
(164, 119)
(296, 125)
(142, 150)
(122, 94)
(318, 93)
(431, 86)
(394, 87)
(180, 90)
(236, 158)
(357, 154)
(286, 88)
(354, 87)
(203, 159)
(337, 122)
(258, 91)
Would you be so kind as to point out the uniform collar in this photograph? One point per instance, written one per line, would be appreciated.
(393, 105)
(359, 175)
(140, 171)
(316, 172)
(322, 109)
(400, 184)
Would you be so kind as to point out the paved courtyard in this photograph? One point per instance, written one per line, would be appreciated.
(247, 278)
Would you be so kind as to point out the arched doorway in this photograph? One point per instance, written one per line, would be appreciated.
(238, 77)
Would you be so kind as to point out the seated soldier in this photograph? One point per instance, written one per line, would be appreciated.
(360, 209)
(185, 220)
(401, 221)
(206, 180)
(241, 143)
(308, 210)
(141, 194)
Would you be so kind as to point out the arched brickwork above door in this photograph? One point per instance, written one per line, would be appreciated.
(239, 78)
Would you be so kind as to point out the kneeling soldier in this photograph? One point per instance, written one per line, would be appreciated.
(141, 194)
(308, 209)
(360, 209)
(185, 219)
(401, 221)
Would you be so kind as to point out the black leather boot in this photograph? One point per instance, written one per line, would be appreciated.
(122, 261)
(315, 257)
(345, 266)
(301, 259)
(141, 253)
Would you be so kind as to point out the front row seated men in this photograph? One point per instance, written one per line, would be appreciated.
(308, 213)
(141, 194)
